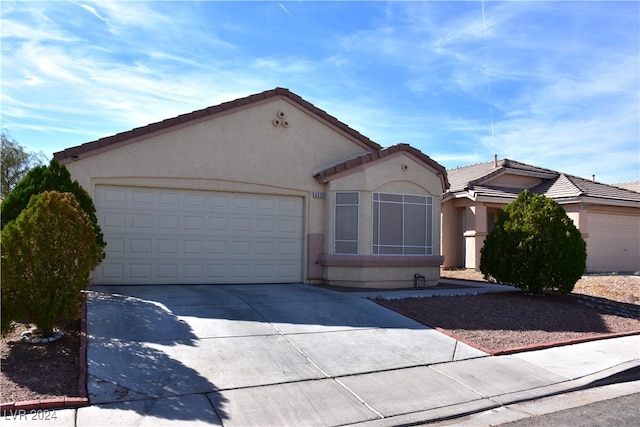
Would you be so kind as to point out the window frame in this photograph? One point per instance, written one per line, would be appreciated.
(336, 240)
(402, 249)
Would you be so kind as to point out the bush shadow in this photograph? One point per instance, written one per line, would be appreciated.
(128, 369)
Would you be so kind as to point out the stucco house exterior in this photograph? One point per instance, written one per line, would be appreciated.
(262, 189)
(607, 216)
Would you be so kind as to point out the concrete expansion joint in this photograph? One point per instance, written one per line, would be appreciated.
(354, 394)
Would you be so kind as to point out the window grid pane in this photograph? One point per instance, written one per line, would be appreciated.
(346, 223)
(402, 224)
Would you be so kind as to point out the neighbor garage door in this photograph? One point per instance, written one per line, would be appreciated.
(613, 243)
(163, 236)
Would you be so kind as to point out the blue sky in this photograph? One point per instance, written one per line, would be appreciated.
(554, 84)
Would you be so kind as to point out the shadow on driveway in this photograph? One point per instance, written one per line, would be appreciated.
(127, 373)
(187, 345)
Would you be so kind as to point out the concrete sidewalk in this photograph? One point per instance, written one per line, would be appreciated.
(283, 355)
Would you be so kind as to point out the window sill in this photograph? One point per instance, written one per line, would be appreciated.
(381, 260)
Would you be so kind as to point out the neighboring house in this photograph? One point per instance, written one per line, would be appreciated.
(263, 189)
(608, 217)
(630, 185)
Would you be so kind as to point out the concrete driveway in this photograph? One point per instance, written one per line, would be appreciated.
(243, 354)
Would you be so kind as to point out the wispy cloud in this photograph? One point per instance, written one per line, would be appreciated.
(284, 8)
(93, 11)
(541, 82)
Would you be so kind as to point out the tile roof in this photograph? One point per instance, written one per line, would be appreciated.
(558, 188)
(325, 175)
(104, 143)
(599, 190)
(496, 191)
(556, 185)
(631, 185)
(462, 177)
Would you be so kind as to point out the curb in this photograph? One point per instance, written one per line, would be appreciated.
(61, 402)
(464, 413)
(566, 342)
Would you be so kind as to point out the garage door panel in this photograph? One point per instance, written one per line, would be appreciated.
(169, 200)
(142, 198)
(115, 197)
(265, 225)
(220, 224)
(168, 222)
(114, 220)
(193, 247)
(241, 248)
(613, 243)
(166, 236)
(287, 226)
(139, 271)
(168, 246)
(108, 271)
(193, 271)
(116, 247)
(142, 222)
(242, 225)
(141, 247)
(287, 249)
(218, 271)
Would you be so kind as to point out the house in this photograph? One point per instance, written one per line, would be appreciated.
(263, 189)
(629, 185)
(607, 216)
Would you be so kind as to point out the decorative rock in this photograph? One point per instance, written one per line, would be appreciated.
(28, 336)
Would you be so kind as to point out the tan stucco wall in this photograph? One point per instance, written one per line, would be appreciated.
(244, 152)
(515, 181)
(382, 277)
(238, 152)
(411, 177)
(236, 149)
(452, 241)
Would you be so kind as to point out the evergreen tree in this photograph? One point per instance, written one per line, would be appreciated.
(48, 253)
(54, 177)
(534, 246)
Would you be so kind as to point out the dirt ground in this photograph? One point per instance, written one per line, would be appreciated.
(621, 288)
(39, 371)
(599, 305)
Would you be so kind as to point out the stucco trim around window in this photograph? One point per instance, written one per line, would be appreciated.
(381, 261)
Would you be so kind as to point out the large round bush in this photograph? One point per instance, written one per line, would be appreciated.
(534, 246)
(54, 177)
(48, 253)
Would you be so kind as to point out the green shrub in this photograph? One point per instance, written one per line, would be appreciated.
(534, 246)
(48, 253)
(54, 177)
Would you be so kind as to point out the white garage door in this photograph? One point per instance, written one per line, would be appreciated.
(162, 236)
(613, 243)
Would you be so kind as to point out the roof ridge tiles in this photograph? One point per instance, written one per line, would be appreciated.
(140, 131)
(372, 156)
